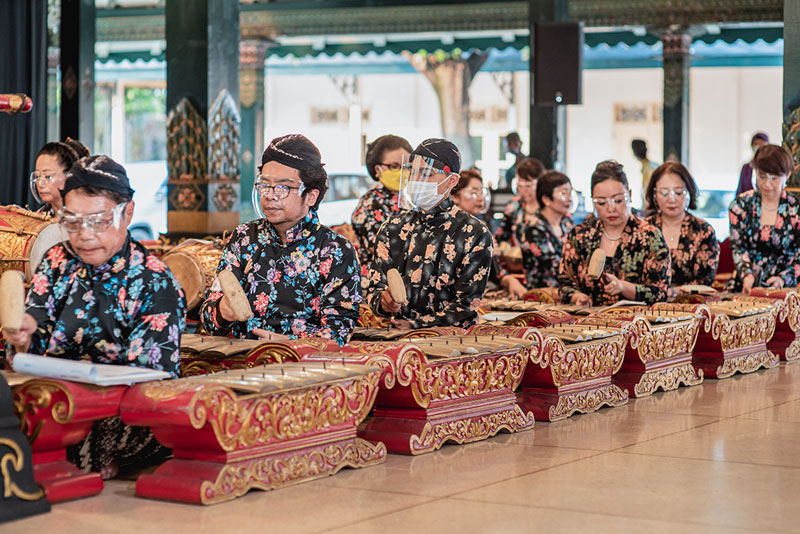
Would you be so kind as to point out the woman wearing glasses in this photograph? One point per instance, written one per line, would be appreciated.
(765, 226)
(52, 163)
(471, 196)
(383, 159)
(692, 242)
(523, 208)
(637, 258)
(544, 236)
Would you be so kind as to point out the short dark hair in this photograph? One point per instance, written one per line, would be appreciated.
(316, 179)
(513, 137)
(465, 177)
(677, 168)
(530, 169)
(609, 170)
(547, 183)
(639, 147)
(93, 191)
(381, 145)
(773, 159)
(67, 152)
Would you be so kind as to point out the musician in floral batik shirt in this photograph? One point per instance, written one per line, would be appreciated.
(443, 253)
(383, 159)
(637, 263)
(100, 295)
(301, 278)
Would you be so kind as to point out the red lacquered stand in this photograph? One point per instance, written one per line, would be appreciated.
(786, 340)
(56, 414)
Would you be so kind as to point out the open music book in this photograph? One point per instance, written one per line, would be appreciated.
(80, 371)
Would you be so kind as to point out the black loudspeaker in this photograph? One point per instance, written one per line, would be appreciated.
(558, 63)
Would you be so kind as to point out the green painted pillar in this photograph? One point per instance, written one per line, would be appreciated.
(252, 55)
(76, 39)
(791, 87)
(203, 120)
(677, 63)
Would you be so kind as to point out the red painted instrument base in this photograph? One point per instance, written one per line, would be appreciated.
(417, 430)
(204, 482)
(668, 375)
(744, 360)
(62, 481)
(554, 404)
(785, 343)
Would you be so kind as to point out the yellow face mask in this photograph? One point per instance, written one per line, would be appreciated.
(391, 179)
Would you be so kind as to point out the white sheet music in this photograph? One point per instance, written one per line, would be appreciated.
(81, 371)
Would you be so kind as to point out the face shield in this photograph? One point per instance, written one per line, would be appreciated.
(96, 223)
(263, 190)
(420, 178)
(35, 179)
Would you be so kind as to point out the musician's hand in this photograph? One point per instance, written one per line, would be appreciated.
(225, 310)
(514, 287)
(21, 339)
(268, 335)
(613, 285)
(388, 303)
(747, 284)
(581, 299)
(775, 282)
(401, 324)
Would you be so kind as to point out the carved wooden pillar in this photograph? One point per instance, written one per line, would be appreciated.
(203, 121)
(791, 87)
(676, 95)
(252, 55)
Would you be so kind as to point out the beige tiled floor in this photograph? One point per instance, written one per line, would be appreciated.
(720, 457)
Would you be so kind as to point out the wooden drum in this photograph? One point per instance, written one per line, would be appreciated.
(25, 237)
(194, 263)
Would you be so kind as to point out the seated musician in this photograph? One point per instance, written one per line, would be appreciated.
(383, 159)
(523, 207)
(692, 243)
(52, 163)
(638, 263)
(545, 234)
(100, 295)
(443, 253)
(301, 278)
(471, 196)
(765, 226)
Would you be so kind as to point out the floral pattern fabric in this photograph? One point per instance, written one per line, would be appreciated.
(309, 286)
(542, 249)
(511, 231)
(697, 256)
(642, 258)
(765, 250)
(374, 209)
(444, 256)
(129, 310)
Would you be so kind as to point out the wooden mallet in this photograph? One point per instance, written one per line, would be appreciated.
(232, 291)
(397, 289)
(12, 302)
(596, 264)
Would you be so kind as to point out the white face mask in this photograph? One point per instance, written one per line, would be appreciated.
(425, 195)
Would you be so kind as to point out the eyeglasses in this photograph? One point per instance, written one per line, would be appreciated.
(475, 194)
(279, 192)
(564, 194)
(96, 222)
(525, 184)
(429, 169)
(665, 192)
(771, 177)
(601, 202)
(392, 166)
(42, 179)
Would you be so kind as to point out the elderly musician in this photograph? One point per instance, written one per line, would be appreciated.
(638, 262)
(443, 253)
(100, 295)
(301, 278)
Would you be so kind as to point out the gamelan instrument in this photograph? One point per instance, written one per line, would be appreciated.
(596, 264)
(232, 292)
(397, 287)
(15, 103)
(260, 428)
(786, 340)
(25, 237)
(194, 263)
(12, 302)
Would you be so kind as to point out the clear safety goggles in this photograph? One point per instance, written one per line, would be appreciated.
(263, 190)
(96, 223)
(36, 180)
(602, 202)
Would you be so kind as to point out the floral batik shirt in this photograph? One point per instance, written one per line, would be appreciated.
(374, 209)
(697, 256)
(642, 258)
(541, 250)
(765, 250)
(511, 231)
(309, 286)
(128, 311)
(444, 256)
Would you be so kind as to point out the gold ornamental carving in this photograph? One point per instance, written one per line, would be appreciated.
(747, 363)
(433, 436)
(582, 361)
(588, 401)
(662, 342)
(282, 416)
(37, 394)
(737, 333)
(14, 460)
(668, 379)
(269, 473)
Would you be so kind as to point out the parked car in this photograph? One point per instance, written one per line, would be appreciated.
(344, 190)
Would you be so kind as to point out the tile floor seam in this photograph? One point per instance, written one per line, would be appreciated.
(353, 523)
(738, 462)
